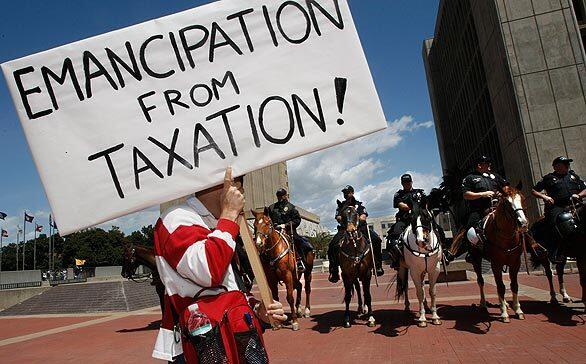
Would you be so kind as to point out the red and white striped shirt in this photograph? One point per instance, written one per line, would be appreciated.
(190, 257)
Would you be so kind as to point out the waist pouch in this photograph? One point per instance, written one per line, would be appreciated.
(236, 335)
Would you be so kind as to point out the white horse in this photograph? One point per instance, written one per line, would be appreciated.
(422, 254)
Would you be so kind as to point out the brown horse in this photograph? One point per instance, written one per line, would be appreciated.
(356, 262)
(135, 255)
(505, 229)
(278, 257)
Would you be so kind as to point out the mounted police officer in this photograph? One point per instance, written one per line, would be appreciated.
(480, 188)
(561, 186)
(334, 246)
(286, 217)
(405, 200)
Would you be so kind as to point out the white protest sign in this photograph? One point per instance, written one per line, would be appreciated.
(142, 115)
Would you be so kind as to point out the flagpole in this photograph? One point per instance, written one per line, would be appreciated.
(1, 236)
(35, 250)
(24, 240)
(17, 242)
(50, 237)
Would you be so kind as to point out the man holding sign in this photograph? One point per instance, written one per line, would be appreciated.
(194, 261)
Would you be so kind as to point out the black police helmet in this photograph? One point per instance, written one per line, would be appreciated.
(483, 159)
(281, 192)
(406, 178)
(562, 159)
(348, 189)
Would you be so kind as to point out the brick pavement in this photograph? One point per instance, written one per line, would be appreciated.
(550, 334)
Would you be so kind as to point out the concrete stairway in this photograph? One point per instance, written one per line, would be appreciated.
(88, 298)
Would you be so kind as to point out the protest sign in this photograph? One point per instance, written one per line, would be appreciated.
(142, 115)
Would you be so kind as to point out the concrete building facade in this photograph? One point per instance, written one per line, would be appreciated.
(507, 78)
(381, 225)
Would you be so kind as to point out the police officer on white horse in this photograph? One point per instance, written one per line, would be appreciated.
(404, 200)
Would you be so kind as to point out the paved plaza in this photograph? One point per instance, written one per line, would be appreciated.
(550, 333)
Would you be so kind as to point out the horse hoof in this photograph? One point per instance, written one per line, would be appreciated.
(347, 324)
(520, 316)
(295, 326)
(307, 313)
(506, 320)
(371, 322)
(567, 300)
(554, 301)
(436, 322)
(277, 327)
(422, 324)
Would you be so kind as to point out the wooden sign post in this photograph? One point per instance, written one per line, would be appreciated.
(259, 273)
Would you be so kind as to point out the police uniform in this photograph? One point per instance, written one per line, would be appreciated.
(560, 188)
(481, 182)
(333, 248)
(285, 213)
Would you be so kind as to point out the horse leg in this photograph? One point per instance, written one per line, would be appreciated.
(299, 290)
(368, 299)
(348, 288)
(581, 263)
(477, 264)
(559, 269)
(433, 275)
(417, 278)
(308, 277)
(290, 285)
(497, 270)
(549, 275)
(514, 270)
(359, 296)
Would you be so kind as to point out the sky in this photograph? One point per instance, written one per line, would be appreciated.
(391, 31)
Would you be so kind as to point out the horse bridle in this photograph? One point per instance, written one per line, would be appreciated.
(137, 278)
(266, 251)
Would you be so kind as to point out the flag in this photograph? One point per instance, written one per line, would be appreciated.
(79, 262)
(28, 218)
(52, 222)
(4, 233)
(2, 215)
(39, 228)
(19, 229)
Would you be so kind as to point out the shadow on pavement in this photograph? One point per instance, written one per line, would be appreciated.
(155, 325)
(558, 314)
(334, 320)
(469, 318)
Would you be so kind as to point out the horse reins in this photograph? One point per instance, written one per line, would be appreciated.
(274, 261)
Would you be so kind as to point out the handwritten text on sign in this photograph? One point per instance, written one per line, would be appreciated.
(142, 115)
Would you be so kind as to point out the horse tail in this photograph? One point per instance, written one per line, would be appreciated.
(457, 242)
(401, 284)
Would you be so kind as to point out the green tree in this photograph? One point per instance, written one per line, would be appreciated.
(320, 242)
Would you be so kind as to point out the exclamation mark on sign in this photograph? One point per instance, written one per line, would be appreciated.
(340, 85)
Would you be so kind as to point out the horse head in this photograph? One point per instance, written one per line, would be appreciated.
(423, 223)
(129, 261)
(350, 218)
(512, 201)
(263, 228)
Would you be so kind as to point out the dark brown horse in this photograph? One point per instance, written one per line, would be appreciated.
(278, 257)
(573, 246)
(356, 262)
(135, 255)
(505, 229)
